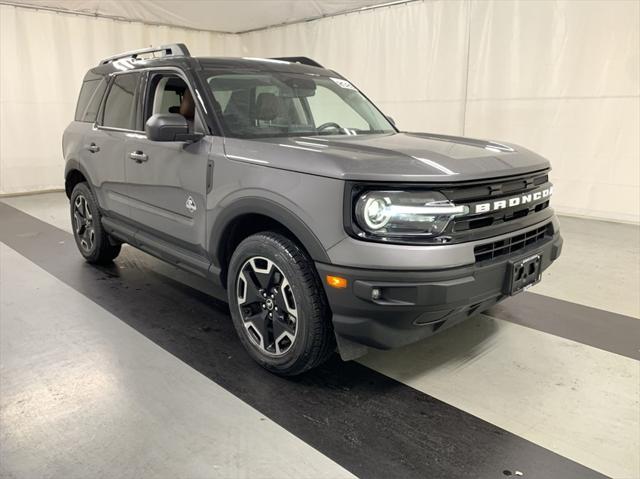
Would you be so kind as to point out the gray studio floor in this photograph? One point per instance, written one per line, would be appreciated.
(86, 393)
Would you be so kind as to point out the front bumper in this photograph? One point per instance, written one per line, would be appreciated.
(416, 304)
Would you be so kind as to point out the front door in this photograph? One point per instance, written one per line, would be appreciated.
(167, 181)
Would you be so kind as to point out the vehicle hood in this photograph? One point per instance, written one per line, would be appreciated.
(398, 157)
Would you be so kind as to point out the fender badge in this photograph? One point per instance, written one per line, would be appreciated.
(191, 205)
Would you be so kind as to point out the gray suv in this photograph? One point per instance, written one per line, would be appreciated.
(321, 224)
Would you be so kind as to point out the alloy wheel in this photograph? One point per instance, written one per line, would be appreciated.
(83, 221)
(267, 306)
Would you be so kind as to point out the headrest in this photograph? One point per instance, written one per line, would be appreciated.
(187, 106)
(238, 103)
(267, 106)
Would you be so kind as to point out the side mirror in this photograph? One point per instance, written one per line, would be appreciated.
(169, 127)
(391, 120)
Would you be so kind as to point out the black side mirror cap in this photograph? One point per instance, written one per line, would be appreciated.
(169, 127)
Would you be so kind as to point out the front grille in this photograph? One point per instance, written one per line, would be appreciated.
(493, 191)
(497, 217)
(489, 251)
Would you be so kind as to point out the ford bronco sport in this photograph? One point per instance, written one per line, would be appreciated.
(320, 223)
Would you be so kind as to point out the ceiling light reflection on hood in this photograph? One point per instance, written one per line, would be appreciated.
(435, 165)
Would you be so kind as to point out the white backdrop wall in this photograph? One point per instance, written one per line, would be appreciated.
(43, 58)
(559, 77)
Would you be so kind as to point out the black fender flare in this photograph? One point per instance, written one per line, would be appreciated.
(270, 209)
(71, 165)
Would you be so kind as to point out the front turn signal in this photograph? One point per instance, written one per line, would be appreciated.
(336, 282)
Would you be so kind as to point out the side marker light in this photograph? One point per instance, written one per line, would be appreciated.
(336, 282)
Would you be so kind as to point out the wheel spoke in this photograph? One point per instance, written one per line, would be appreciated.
(79, 207)
(87, 211)
(250, 289)
(283, 332)
(257, 323)
(287, 300)
(79, 221)
(265, 273)
(283, 323)
(85, 240)
(261, 279)
(274, 279)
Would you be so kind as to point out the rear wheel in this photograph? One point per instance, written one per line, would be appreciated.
(278, 305)
(91, 238)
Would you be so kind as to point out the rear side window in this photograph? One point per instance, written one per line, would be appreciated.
(120, 107)
(89, 100)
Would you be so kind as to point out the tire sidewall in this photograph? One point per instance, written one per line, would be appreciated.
(265, 246)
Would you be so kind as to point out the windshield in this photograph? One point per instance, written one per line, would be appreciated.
(272, 104)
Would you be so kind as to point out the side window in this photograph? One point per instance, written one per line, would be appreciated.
(89, 100)
(165, 95)
(170, 94)
(327, 106)
(120, 107)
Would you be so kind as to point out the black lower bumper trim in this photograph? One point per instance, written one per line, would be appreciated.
(388, 309)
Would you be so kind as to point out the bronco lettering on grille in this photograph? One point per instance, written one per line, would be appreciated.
(514, 201)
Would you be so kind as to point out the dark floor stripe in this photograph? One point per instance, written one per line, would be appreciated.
(605, 330)
(372, 425)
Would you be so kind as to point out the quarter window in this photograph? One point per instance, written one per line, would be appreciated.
(91, 113)
(120, 107)
(89, 99)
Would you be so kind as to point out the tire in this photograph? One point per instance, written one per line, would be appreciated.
(92, 240)
(299, 334)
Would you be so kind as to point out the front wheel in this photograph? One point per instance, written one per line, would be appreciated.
(91, 238)
(278, 306)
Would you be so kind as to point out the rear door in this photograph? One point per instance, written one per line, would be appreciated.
(168, 181)
(105, 143)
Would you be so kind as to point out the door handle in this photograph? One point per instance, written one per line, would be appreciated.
(93, 148)
(138, 156)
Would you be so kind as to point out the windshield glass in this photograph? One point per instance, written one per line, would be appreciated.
(272, 104)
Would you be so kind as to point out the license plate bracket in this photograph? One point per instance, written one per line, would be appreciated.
(524, 273)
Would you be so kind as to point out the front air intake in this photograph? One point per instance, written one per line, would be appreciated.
(507, 246)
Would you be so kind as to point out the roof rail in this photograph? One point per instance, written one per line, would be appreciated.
(175, 49)
(302, 60)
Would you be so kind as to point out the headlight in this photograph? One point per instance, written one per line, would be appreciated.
(405, 213)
